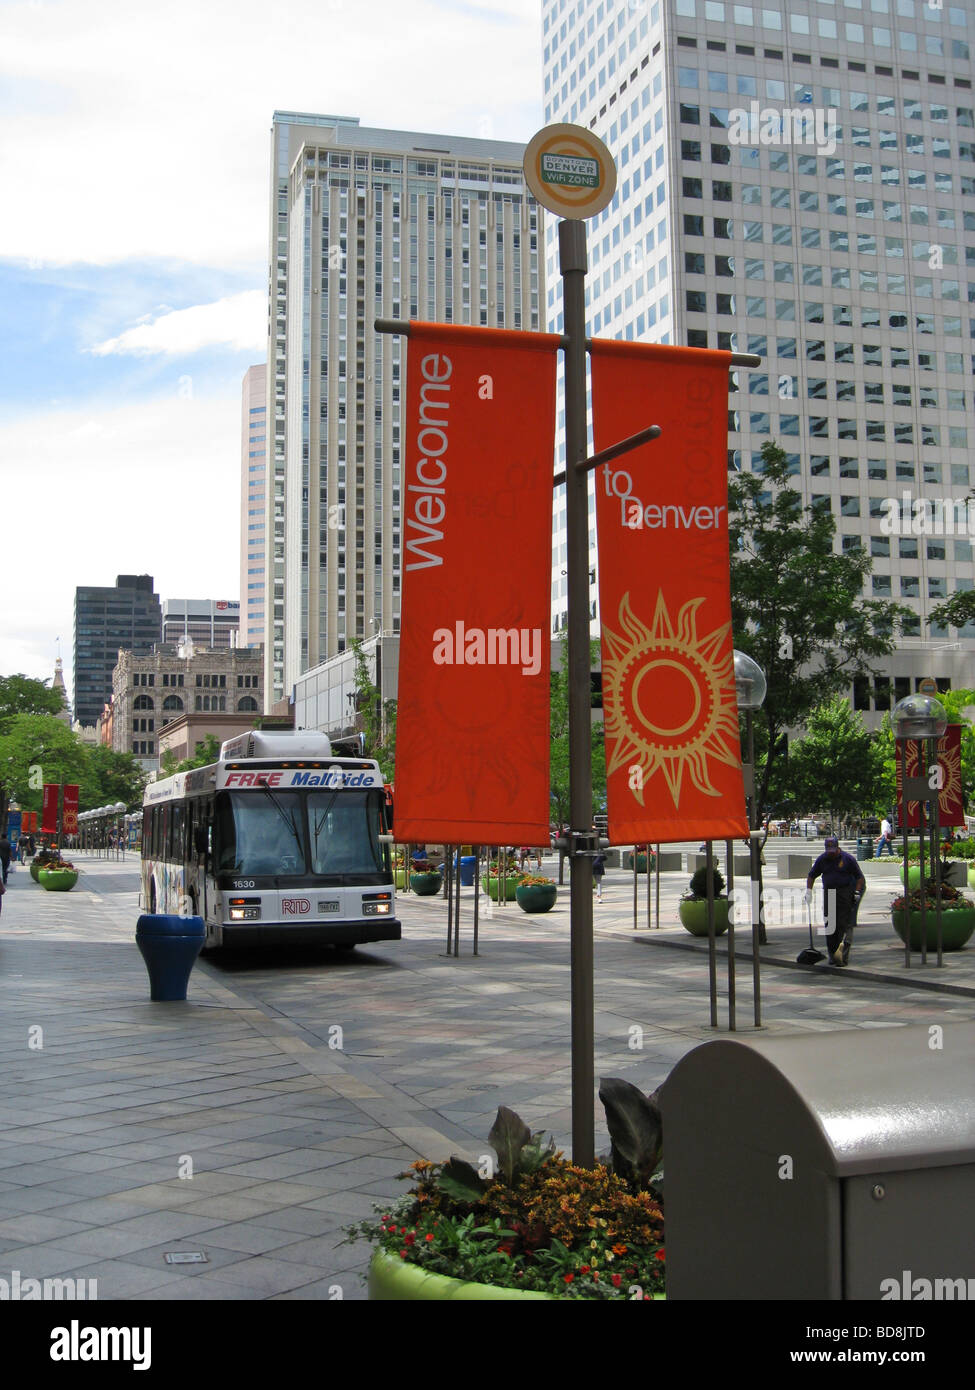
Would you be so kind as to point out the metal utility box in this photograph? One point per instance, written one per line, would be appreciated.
(827, 1166)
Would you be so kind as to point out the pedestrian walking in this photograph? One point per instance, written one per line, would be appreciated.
(886, 838)
(598, 869)
(843, 889)
(5, 856)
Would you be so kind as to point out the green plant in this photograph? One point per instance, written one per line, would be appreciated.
(539, 1222)
(951, 899)
(529, 879)
(698, 888)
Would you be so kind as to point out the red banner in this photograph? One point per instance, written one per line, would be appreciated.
(473, 713)
(673, 761)
(49, 809)
(70, 823)
(951, 809)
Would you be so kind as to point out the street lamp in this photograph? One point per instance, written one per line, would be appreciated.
(923, 719)
(750, 690)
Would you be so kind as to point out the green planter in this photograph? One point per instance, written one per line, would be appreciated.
(58, 880)
(425, 885)
(536, 897)
(913, 875)
(490, 886)
(957, 927)
(971, 875)
(641, 862)
(35, 869)
(392, 1280)
(399, 878)
(694, 915)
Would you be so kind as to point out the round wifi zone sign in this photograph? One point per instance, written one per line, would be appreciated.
(570, 171)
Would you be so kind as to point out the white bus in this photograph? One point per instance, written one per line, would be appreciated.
(278, 842)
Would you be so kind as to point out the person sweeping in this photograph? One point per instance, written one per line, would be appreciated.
(843, 888)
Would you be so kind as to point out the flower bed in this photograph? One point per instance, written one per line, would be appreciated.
(544, 1225)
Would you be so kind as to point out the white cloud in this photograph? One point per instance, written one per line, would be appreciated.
(139, 131)
(239, 322)
(90, 494)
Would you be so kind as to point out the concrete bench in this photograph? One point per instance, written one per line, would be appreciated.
(795, 865)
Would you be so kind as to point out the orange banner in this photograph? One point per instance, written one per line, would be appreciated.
(70, 825)
(673, 761)
(472, 730)
(951, 807)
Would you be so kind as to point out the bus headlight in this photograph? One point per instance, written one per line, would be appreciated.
(376, 904)
(244, 909)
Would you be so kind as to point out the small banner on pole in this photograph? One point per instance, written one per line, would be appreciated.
(49, 809)
(944, 776)
(472, 731)
(70, 825)
(673, 761)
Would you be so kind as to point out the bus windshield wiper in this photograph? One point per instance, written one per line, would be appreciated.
(284, 816)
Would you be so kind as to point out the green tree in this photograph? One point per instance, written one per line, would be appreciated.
(956, 611)
(559, 743)
(797, 607)
(34, 749)
(110, 777)
(374, 717)
(207, 752)
(838, 766)
(21, 695)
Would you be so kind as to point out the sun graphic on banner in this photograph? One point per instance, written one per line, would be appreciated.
(669, 699)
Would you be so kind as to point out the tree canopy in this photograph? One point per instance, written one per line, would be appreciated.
(797, 605)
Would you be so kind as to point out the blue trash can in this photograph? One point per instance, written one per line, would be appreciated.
(468, 868)
(169, 946)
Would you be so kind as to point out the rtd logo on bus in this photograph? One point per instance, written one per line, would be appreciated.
(295, 907)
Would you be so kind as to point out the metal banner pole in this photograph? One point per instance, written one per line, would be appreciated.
(730, 867)
(476, 851)
(712, 948)
(572, 266)
(906, 878)
(635, 890)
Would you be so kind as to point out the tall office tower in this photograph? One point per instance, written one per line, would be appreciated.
(798, 180)
(368, 224)
(253, 496)
(206, 622)
(105, 619)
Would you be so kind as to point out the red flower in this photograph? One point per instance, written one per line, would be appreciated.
(409, 1238)
(660, 1254)
(616, 1279)
(568, 1278)
(402, 1254)
(428, 1236)
(583, 1269)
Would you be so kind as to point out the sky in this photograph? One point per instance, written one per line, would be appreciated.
(133, 257)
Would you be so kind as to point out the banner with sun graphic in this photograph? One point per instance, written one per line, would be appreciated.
(951, 808)
(673, 762)
(472, 717)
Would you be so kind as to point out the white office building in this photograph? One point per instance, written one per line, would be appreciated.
(367, 224)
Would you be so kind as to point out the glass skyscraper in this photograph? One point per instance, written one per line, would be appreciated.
(798, 180)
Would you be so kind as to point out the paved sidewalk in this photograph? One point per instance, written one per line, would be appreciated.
(254, 1121)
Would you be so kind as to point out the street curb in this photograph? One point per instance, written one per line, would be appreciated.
(869, 977)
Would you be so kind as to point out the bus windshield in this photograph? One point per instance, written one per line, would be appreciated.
(260, 835)
(344, 832)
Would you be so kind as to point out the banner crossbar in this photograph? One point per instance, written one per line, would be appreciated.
(633, 441)
(737, 359)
